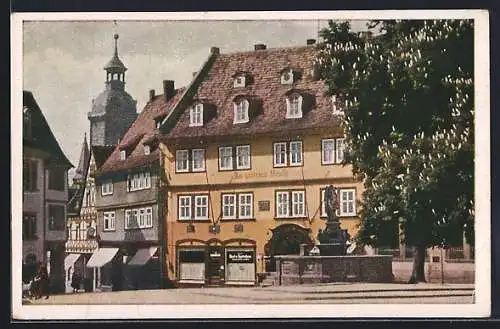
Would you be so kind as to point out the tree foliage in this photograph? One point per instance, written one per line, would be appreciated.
(406, 89)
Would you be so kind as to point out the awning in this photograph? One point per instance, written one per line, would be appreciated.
(101, 257)
(142, 256)
(70, 260)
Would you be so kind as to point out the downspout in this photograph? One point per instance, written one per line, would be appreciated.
(161, 222)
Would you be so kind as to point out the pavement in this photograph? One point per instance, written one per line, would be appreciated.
(331, 293)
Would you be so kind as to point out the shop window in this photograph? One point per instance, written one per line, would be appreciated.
(192, 265)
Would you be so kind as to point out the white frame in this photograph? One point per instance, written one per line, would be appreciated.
(238, 149)
(193, 159)
(128, 218)
(196, 115)
(243, 196)
(147, 149)
(292, 162)
(289, 81)
(221, 150)
(339, 150)
(196, 206)
(139, 181)
(342, 201)
(123, 155)
(293, 203)
(241, 107)
(189, 207)
(275, 154)
(107, 188)
(291, 100)
(232, 205)
(332, 151)
(148, 217)
(177, 161)
(239, 81)
(109, 217)
(287, 204)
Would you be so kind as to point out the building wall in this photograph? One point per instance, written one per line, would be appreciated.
(59, 198)
(33, 203)
(121, 197)
(262, 180)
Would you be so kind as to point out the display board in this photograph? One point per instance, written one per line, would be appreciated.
(240, 265)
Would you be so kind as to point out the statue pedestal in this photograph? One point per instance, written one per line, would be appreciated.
(332, 240)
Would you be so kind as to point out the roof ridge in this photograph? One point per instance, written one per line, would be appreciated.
(239, 52)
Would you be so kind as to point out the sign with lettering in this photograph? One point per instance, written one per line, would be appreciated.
(240, 256)
(264, 205)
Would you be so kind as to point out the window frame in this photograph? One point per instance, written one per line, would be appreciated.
(230, 148)
(203, 168)
(57, 179)
(299, 101)
(207, 206)
(339, 150)
(195, 114)
(339, 211)
(107, 188)
(275, 155)
(347, 213)
(147, 150)
(290, 213)
(123, 155)
(109, 217)
(237, 149)
(29, 227)
(55, 225)
(277, 204)
(186, 152)
(241, 107)
(251, 204)
(296, 164)
(287, 81)
(234, 205)
(30, 183)
(332, 151)
(239, 81)
(189, 207)
(293, 203)
(139, 181)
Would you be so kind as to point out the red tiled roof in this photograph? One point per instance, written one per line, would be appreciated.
(143, 128)
(265, 67)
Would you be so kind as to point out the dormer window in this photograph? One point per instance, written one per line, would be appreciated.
(123, 155)
(241, 111)
(196, 115)
(239, 81)
(288, 77)
(294, 106)
(147, 149)
(335, 108)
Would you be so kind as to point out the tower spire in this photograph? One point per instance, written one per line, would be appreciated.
(116, 36)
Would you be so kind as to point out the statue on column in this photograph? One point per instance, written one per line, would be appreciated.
(332, 239)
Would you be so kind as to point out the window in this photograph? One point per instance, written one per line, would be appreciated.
(29, 226)
(201, 207)
(287, 154)
(243, 157)
(198, 159)
(241, 111)
(229, 206)
(245, 205)
(30, 175)
(294, 107)
(57, 179)
(73, 231)
(83, 231)
(109, 221)
(123, 155)
(182, 160)
(190, 160)
(339, 150)
(57, 218)
(107, 188)
(282, 204)
(226, 158)
(139, 218)
(147, 150)
(290, 204)
(296, 153)
(287, 77)
(26, 122)
(346, 201)
(239, 81)
(280, 154)
(332, 151)
(193, 207)
(196, 115)
(138, 181)
(335, 109)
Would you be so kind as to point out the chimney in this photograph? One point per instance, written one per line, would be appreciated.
(311, 41)
(168, 89)
(151, 95)
(215, 50)
(260, 46)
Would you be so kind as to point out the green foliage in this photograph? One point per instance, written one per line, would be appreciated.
(406, 90)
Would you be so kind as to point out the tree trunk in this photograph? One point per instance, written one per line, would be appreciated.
(418, 272)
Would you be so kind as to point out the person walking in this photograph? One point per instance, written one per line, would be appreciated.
(75, 281)
(43, 282)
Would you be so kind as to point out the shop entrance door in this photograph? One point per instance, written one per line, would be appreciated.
(215, 270)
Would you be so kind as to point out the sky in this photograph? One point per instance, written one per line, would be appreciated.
(63, 60)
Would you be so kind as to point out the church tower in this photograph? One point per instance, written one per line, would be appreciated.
(114, 110)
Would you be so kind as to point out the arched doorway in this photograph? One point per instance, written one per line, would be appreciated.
(285, 240)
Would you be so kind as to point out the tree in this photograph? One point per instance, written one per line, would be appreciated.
(406, 89)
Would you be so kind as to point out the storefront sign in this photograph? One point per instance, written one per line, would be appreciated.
(240, 257)
(215, 254)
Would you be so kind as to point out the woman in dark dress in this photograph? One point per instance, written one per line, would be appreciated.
(75, 281)
(43, 283)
